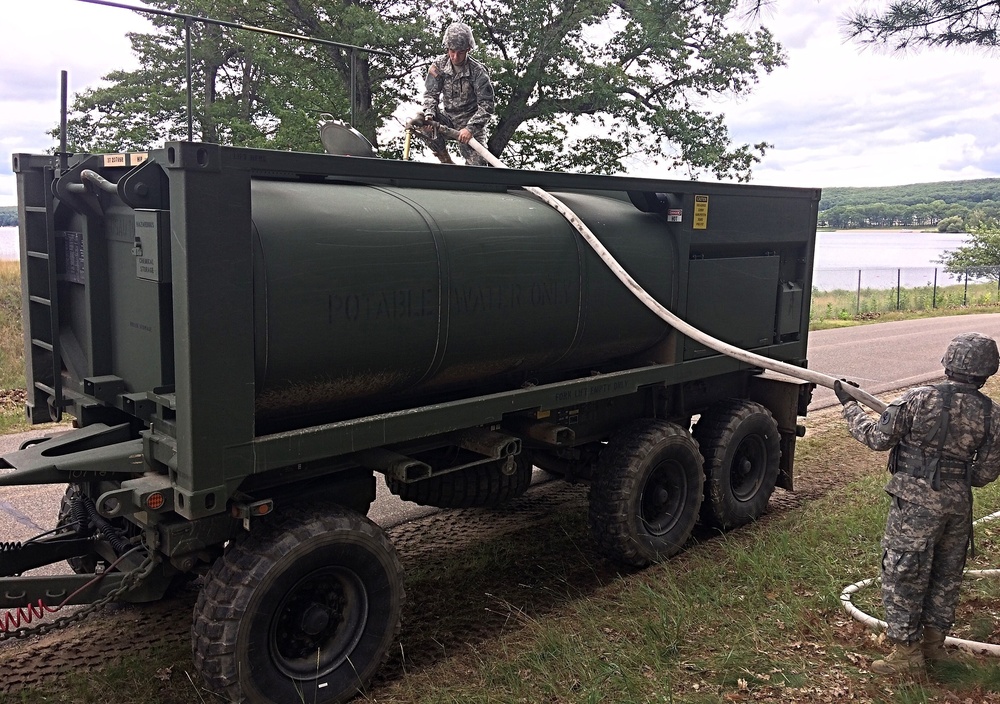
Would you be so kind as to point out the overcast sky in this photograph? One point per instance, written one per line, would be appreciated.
(837, 114)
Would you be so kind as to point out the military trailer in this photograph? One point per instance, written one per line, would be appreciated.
(246, 338)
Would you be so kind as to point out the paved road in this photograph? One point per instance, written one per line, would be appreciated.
(887, 356)
(881, 357)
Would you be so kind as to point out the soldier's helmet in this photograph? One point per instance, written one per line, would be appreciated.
(458, 37)
(972, 354)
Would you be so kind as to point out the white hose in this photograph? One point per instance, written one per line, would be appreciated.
(972, 646)
(668, 317)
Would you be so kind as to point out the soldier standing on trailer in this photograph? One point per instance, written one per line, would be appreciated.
(943, 440)
(462, 86)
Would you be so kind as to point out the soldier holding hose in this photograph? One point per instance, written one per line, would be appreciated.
(462, 87)
(943, 440)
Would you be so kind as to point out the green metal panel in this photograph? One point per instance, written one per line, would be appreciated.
(733, 299)
(211, 260)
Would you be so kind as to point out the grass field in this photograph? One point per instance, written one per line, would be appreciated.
(870, 304)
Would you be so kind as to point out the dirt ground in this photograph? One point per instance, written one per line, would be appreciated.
(443, 536)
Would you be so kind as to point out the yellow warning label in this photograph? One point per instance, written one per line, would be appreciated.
(700, 219)
(137, 158)
(115, 160)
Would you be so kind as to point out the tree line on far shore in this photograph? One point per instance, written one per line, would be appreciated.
(8, 216)
(948, 206)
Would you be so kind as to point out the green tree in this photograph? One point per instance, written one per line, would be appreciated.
(598, 84)
(582, 86)
(251, 89)
(981, 254)
(951, 224)
(909, 23)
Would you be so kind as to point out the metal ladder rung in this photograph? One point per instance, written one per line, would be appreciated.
(38, 255)
(45, 388)
(40, 300)
(42, 343)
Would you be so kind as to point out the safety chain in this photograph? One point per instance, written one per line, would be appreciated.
(129, 582)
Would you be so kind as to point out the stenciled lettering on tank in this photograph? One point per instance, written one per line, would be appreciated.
(489, 299)
(398, 304)
(395, 304)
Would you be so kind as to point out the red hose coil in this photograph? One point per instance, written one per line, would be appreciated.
(14, 618)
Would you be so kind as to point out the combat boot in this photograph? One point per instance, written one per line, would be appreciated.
(934, 651)
(905, 658)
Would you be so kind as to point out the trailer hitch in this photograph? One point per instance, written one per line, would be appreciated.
(17, 558)
(75, 538)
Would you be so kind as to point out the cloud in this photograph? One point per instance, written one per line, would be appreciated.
(843, 114)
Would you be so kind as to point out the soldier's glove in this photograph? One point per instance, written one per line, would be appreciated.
(842, 395)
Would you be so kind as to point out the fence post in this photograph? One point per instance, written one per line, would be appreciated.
(898, 281)
(857, 303)
(965, 297)
(934, 295)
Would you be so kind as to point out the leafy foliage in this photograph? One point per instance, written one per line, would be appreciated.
(585, 86)
(982, 251)
(252, 89)
(908, 23)
(8, 216)
(594, 85)
(913, 205)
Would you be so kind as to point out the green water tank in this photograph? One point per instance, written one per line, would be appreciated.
(372, 298)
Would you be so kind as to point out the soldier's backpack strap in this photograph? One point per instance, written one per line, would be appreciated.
(932, 465)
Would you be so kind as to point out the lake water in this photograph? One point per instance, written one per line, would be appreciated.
(881, 258)
(839, 256)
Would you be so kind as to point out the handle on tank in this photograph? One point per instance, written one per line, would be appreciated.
(718, 345)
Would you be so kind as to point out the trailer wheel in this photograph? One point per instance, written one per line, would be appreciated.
(303, 608)
(480, 485)
(742, 447)
(646, 492)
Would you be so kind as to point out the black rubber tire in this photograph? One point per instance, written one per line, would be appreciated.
(479, 485)
(742, 448)
(303, 608)
(645, 495)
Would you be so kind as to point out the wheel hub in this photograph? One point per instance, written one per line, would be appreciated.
(315, 619)
(748, 468)
(319, 622)
(661, 498)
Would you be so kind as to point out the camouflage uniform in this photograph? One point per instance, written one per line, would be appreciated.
(466, 97)
(930, 521)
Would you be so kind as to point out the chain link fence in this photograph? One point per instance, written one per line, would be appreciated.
(851, 293)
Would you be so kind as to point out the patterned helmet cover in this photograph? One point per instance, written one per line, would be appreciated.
(458, 37)
(972, 354)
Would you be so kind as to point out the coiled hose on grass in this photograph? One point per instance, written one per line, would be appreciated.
(973, 646)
